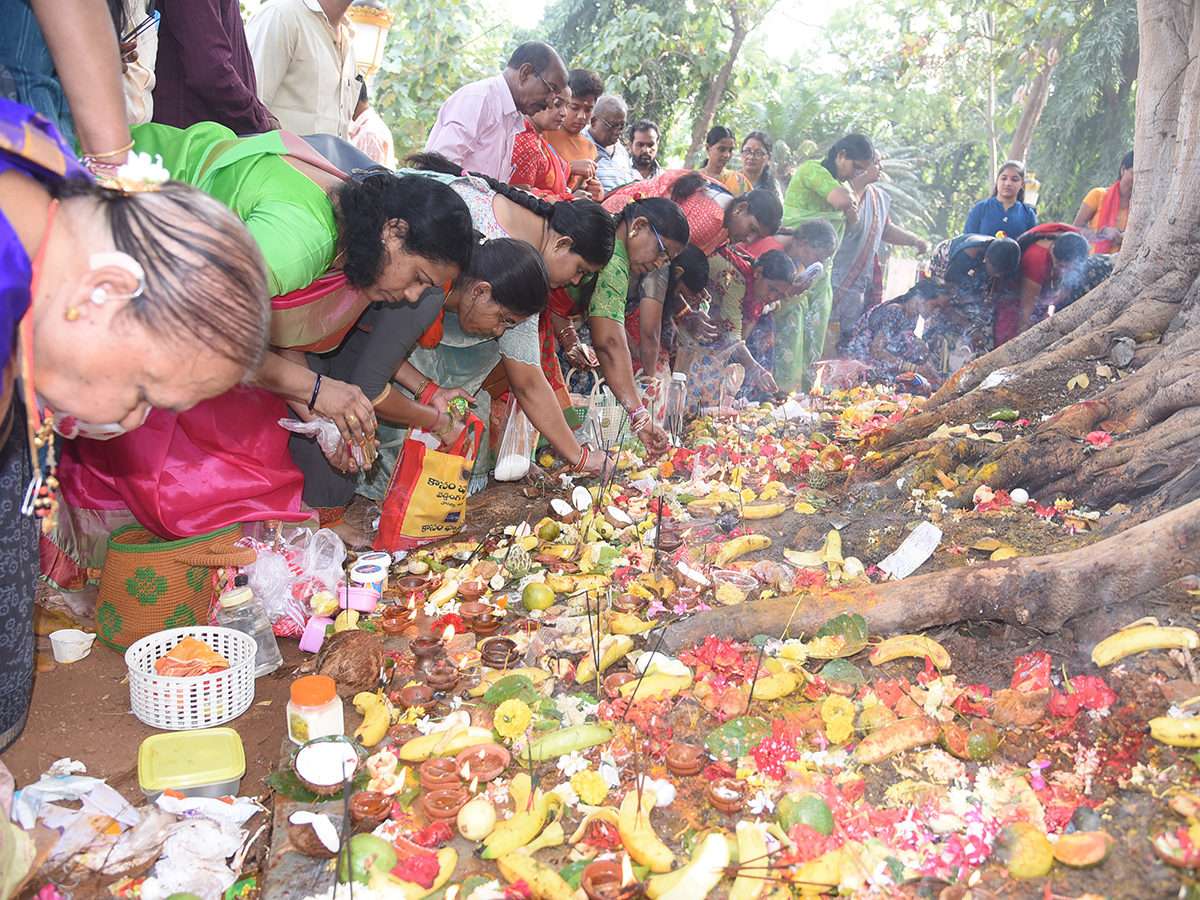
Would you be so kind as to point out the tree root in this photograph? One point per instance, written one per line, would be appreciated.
(1042, 592)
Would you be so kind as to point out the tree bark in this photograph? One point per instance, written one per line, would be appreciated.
(1035, 103)
(716, 88)
(1040, 591)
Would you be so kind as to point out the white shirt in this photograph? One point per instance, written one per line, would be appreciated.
(477, 127)
(305, 67)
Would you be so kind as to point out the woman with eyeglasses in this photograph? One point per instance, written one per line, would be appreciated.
(818, 190)
(756, 162)
(650, 233)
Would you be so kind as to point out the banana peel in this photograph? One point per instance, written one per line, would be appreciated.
(538, 676)
(1140, 638)
(544, 883)
(444, 743)
(739, 547)
(624, 623)
(603, 814)
(916, 645)
(389, 885)
(552, 836)
(655, 685)
(573, 584)
(638, 835)
(525, 823)
(829, 555)
(753, 865)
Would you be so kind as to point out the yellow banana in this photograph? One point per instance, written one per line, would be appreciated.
(910, 645)
(444, 743)
(537, 676)
(612, 648)
(377, 718)
(552, 836)
(1176, 732)
(388, 885)
(738, 547)
(624, 623)
(656, 684)
(525, 823)
(753, 865)
(772, 687)
(544, 883)
(447, 589)
(637, 834)
(571, 584)
(1141, 638)
(764, 510)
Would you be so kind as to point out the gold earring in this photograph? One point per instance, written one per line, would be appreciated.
(71, 313)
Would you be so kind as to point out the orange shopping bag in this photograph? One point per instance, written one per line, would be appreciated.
(427, 495)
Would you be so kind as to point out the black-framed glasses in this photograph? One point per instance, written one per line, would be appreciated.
(551, 88)
(612, 125)
(754, 154)
(663, 253)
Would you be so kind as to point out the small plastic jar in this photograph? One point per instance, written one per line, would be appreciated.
(379, 558)
(315, 709)
(370, 575)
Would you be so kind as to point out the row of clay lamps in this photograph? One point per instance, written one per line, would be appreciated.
(442, 779)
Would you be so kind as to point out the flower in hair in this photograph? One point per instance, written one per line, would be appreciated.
(140, 173)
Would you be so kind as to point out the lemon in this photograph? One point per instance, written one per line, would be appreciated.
(807, 809)
(549, 531)
(537, 596)
(546, 460)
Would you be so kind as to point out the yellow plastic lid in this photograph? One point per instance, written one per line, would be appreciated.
(187, 759)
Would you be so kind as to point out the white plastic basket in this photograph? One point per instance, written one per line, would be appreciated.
(200, 701)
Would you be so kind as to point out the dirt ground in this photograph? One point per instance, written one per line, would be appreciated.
(82, 710)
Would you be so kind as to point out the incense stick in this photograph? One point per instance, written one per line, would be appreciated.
(633, 693)
(761, 650)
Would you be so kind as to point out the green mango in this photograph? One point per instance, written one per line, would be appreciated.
(366, 853)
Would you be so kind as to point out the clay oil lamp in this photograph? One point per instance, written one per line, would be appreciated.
(402, 734)
(629, 604)
(370, 809)
(601, 879)
(685, 760)
(527, 626)
(417, 695)
(471, 591)
(442, 676)
(727, 795)
(395, 620)
(500, 653)
(470, 609)
(444, 803)
(439, 774)
(410, 585)
(613, 682)
(483, 762)
(485, 624)
(670, 541)
(687, 597)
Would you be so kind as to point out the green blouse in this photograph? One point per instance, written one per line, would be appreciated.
(612, 287)
(290, 216)
(807, 197)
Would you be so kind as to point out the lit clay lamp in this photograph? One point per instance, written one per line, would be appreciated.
(686, 759)
(439, 774)
(442, 676)
(370, 809)
(727, 795)
(500, 653)
(445, 803)
(471, 591)
(426, 650)
(482, 762)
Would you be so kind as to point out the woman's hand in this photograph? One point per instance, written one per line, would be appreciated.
(701, 327)
(452, 424)
(583, 168)
(578, 354)
(443, 395)
(802, 281)
(654, 438)
(591, 189)
(349, 409)
(765, 381)
(599, 464)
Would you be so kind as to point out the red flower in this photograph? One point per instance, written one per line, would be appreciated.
(1099, 438)
(422, 869)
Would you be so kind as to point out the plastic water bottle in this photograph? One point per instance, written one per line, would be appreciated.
(676, 406)
(242, 611)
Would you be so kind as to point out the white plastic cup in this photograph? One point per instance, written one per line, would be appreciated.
(70, 644)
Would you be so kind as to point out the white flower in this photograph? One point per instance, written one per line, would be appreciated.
(144, 168)
(489, 891)
(1177, 712)
(426, 725)
(761, 803)
(664, 791)
(572, 763)
(567, 793)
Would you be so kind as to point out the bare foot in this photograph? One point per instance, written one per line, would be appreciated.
(352, 537)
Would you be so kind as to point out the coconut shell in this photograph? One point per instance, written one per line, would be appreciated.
(352, 658)
(304, 840)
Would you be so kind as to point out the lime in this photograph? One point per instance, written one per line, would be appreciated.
(537, 596)
(550, 531)
(806, 809)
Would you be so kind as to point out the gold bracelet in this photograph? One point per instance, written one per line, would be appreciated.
(387, 389)
(124, 149)
(421, 387)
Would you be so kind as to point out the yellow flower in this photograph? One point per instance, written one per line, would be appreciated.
(590, 786)
(512, 718)
(838, 715)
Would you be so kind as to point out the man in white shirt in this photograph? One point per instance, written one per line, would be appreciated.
(478, 123)
(613, 164)
(369, 133)
(304, 64)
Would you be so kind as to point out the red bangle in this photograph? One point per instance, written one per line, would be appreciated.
(583, 455)
(427, 394)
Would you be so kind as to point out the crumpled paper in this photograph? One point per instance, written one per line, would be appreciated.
(17, 850)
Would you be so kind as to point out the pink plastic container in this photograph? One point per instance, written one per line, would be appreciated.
(362, 599)
(314, 634)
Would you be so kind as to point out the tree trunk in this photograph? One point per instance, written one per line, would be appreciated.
(1039, 591)
(716, 89)
(1035, 103)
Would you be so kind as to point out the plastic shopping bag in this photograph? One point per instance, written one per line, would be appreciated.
(517, 446)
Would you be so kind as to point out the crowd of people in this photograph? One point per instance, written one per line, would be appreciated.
(290, 272)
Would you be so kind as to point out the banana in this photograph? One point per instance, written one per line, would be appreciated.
(544, 883)
(604, 814)
(910, 645)
(764, 510)
(753, 866)
(624, 623)
(775, 686)
(656, 684)
(1141, 638)
(896, 738)
(830, 554)
(738, 547)
(612, 648)
(346, 619)
(573, 584)
(444, 743)
(637, 834)
(450, 549)
(698, 877)
(447, 589)
(1176, 732)
(566, 740)
(552, 836)
(389, 885)
(377, 718)
(537, 676)
(522, 828)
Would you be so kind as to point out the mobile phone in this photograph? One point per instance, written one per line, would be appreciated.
(814, 270)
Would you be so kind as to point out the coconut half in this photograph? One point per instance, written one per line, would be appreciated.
(313, 834)
(618, 518)
(581, 499)
(563, 510)
(324, 766)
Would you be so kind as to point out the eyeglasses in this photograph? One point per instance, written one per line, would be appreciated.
(663, 253)
(551, 88)
(614, 126)
(754, 154)
(505, 321)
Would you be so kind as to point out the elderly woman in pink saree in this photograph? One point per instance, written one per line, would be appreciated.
(333, 246)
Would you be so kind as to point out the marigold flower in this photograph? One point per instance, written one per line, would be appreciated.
(838, 715)
(512, 718)
(590, 786)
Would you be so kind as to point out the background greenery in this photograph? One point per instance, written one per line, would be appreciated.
(940, 89)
